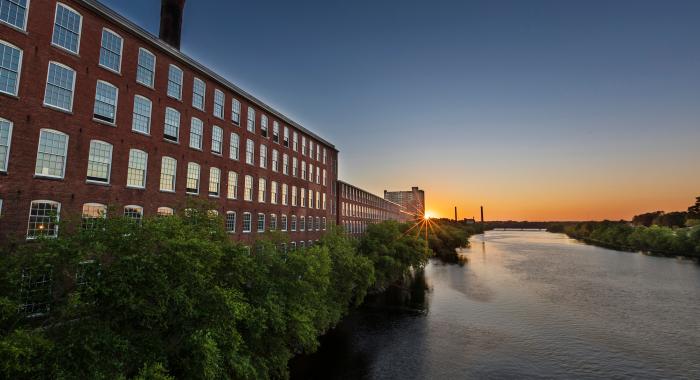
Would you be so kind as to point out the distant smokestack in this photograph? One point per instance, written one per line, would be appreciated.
(171, 21)
(455, 213)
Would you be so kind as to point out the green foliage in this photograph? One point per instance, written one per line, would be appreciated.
(174, 297)
(446, 236)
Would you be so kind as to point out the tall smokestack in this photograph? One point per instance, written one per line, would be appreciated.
(171, 21)
(455, 213)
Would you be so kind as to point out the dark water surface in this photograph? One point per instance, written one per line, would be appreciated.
(526, 305)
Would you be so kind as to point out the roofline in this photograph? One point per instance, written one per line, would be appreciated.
(369, 192)
(115, 17)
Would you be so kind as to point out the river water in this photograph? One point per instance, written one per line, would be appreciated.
(525, 305)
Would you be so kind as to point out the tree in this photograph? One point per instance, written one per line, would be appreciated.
(646, 219)
(694, 210)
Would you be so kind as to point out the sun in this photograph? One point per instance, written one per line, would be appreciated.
(427, 215)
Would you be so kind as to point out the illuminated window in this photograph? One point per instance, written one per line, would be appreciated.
(10, 65)
(262, 190)
(66, 29)
(43, 219)
(214, 181)
(99, 161)
(136, 172)
(51, 154)
(168, 171)
(59, 87)
(92, 213)
(232, 192)
(294, 196)
(275, 160)
(165, 211)
(134, 213)
(302, 195)
(105, 102)
(248, 188)
(193, 171)
(111, 50)
(285, 164)
(141, 121)
(285, 199)
(146, 68)
(273, 192)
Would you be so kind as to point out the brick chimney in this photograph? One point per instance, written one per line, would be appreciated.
(171, 21)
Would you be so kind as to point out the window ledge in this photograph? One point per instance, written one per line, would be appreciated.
(50, 178)
(63, 49)
(96, 120)
(135, 187)
(171, 141)
(98, 183)
(59, 109)
(167, 191)
(110, 69)
(9, 95)
(141, 133)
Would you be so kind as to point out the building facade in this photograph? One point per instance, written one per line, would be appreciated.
(97, 112)
(413, 201)
(358, 208)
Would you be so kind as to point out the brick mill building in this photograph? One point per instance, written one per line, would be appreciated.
(96, 112)
(358, 208)
(413, 201)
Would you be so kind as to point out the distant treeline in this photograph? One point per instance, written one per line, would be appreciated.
(670, 234)
(446, 235)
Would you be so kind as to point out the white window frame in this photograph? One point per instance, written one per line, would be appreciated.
(174, 181)
(234, 146)
(72, 93)
(19, 68)
(218, 92)
(150, 115)
(217, 183)
(80, 29)
(145, 170)
(121, 51)
(181, 84)
(116, 103)
(187, 179)
(177, 127)
(56, 222)
(215, 141)
(250, 222)
(153, 69)
(203, 94)
(65, 154)
(201, 135)
(109, 168)
(24, 22)
(236, 111)
(9, 145)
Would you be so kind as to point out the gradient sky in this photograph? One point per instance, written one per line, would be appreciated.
(556, 110)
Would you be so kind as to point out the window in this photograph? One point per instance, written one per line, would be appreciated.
(273, 222)
(323, 223)
(261, 222)
(214, 181)
(263, 125)
(273, 192)
(5, 140)
(324, 201)
(234, 147)
(99, 161)
(14, 12)
(111, 50)
(263, 156)
(262, 190)
(285, 164)
(10, 65)
(294, 223)
(295, 164)
(196, 133)
(295, 141)
(199, 89)
(324, 155)
(134, 213)
(168, 172)
(303, 146)
(286, 137)
(51, 155)
(318, 224)
(232, 192)
(251, 120)
(217, 140)
(171, 131)
(318, 175)
(142, 115)
(246, 222)
(283, 222)
(230, 221)
(318, 200)
(285, 198)
(302, 195)
(136, 172)
(311, 173)
(303, 170)
(43, 219)
(105, 102)
(324, 177)
(294, 196)
(192, 186)
(248, 189)
(175, 82)
(146, 68)
(250, 152)
(302, 223)
(311, 149)
(236, 111)
(311, 198)
(92, 213)
(276, 132)
(59, 87)
(219, 103)
(275, 160)
(165, 211)
(66, 28)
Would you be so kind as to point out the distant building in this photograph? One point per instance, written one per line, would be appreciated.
(360, 208)
(469, 221)
(413, 201)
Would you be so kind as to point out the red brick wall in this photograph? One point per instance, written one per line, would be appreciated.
(18, 187)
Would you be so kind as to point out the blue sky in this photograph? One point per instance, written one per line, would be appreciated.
(536, 109)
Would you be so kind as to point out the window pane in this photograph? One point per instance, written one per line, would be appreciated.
(198, 93)
(136, 172)
(232, 185)
(175, 82)
(66, 30)
(5, 139)
(192, 178)
(251, 120)
(43, 219)
(105, 102)
(51, 155)
(134, 212)
(145, 71)
(235, 147)
(111, 50)
(219, 104)
(99, 161)
(59, 87)
(142, 115)
(172, 125)
(214, 181)
(217, 140)
(92, 212)
(14, 12)
(236, 111)
(196, 130)
(230, 221)
(10, 63)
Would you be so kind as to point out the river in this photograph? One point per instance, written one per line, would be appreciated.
(525, 305)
